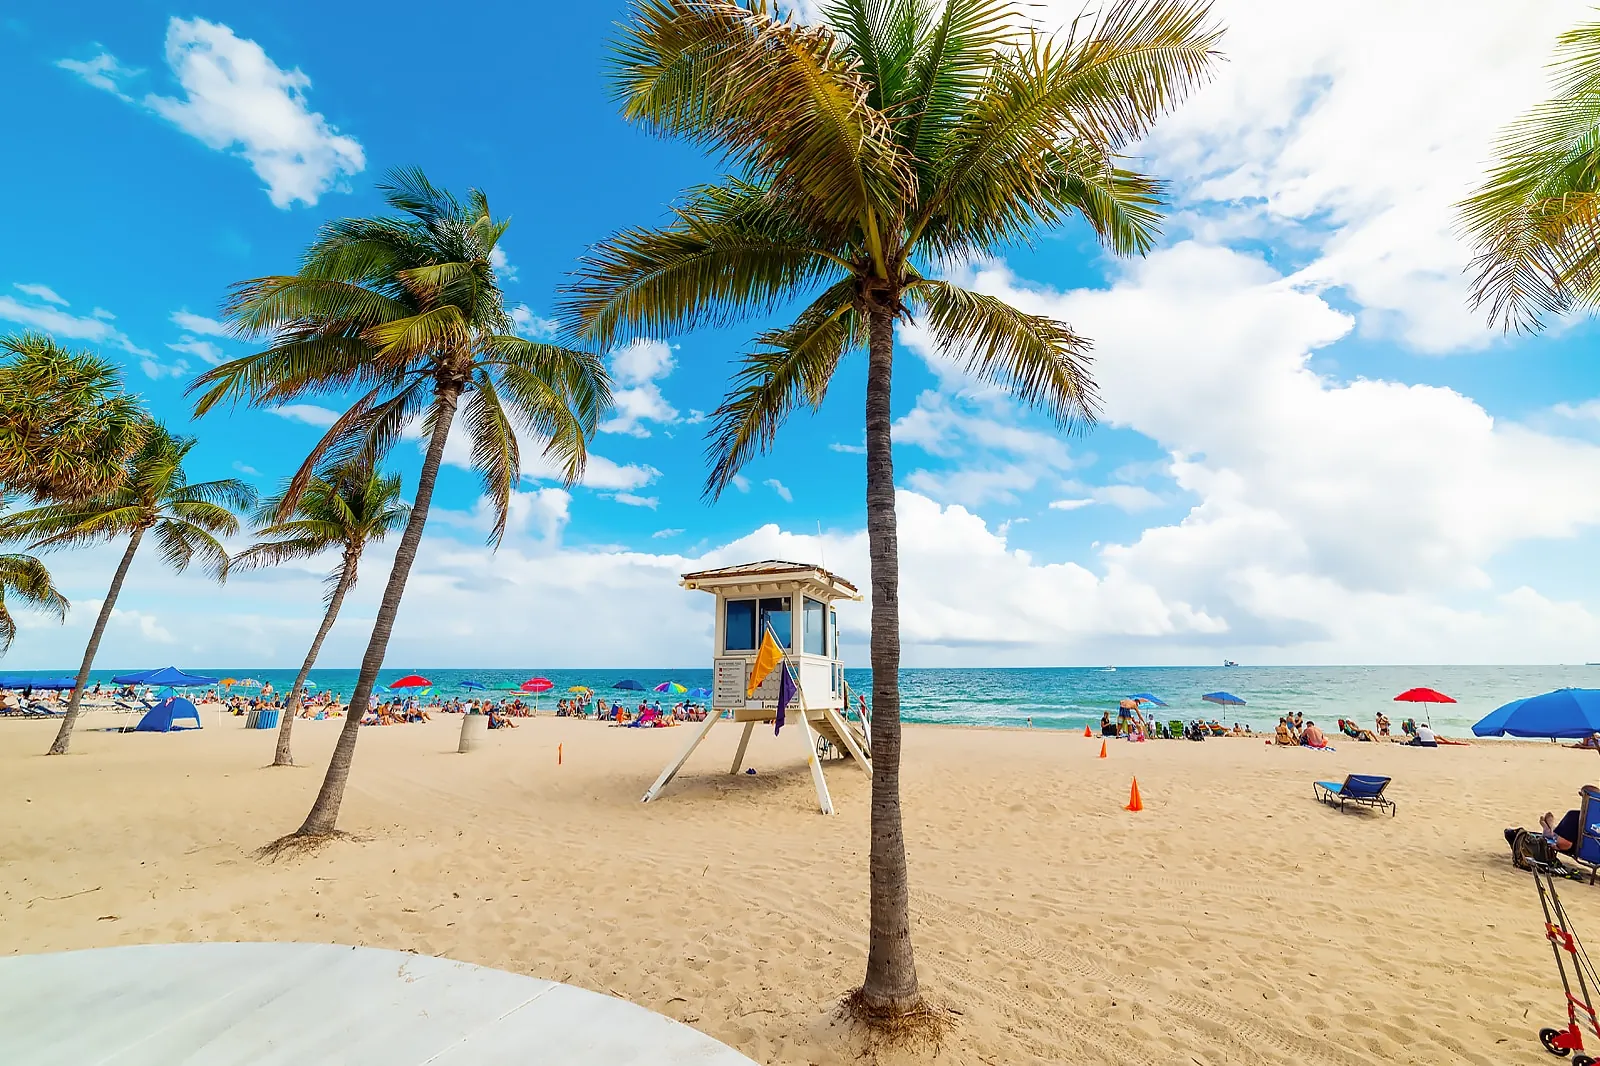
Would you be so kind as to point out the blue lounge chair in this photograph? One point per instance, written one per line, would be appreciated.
(1587, 851)
(1362, 789)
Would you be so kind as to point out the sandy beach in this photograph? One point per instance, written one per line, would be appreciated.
(1234, 920)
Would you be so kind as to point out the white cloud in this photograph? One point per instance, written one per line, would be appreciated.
(61, 324)
(207, 327)
(1071, 505)
(236, 99)
(1130, 498)
(1323, 505)
(40, 292)
(246, 469)
(155, 370)
(531, 325)
(993, 458)
(780, 488)
(1351, 129)
(309, 413)
(103, 72)
(740, 482)
(631, 500)
(636, 368)
(197, 347)
(665, 534)
(848, 449)
(503, 270)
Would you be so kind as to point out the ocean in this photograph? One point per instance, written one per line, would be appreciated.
(1069, 697)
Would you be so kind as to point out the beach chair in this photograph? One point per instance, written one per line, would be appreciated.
(1175, 728)
(1587, 851)
(1360, 789)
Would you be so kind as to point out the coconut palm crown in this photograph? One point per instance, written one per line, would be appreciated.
(405, 312)
(343, 509)
(155, 499)
(864, 155)
(1535, 221)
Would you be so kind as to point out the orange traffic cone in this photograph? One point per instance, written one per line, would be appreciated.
(1102, 749)
(1088, 732)
(1134, 802)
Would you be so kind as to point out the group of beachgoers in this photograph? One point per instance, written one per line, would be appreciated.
(648, 714)
(1130, 724)
(1295, 732)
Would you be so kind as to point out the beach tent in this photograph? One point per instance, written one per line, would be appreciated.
(38, 684)
(1564, 713)
(166, 676)
(162, 718)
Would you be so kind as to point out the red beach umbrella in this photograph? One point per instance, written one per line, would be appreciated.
(411, 681)
(1423, 695)
(537, 684)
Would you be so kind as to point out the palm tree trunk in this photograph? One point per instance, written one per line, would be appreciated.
(891, 983)
(291, 706)
(64, 736)
(325, 811)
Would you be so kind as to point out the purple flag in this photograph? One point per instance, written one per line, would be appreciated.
(786, 691)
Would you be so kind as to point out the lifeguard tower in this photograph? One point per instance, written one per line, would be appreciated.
(796, 601)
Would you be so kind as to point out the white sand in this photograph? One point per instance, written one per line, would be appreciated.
(1234, 920)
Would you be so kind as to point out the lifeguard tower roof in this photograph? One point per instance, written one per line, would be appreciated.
(772, 571)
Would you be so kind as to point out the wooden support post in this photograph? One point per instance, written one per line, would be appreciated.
(840, 724)
(744, 742)
(824, 800)
(694, 742)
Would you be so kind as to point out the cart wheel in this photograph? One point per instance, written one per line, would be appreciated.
(1582, 1060)
(1547, 1037)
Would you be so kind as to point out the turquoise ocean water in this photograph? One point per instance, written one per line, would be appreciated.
(1069, 698)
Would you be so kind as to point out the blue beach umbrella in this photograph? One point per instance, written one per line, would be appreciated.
(699, 694)
(1151, 699)
(1227, 699)
(629, 684)
(1566, 712)
(473, 685)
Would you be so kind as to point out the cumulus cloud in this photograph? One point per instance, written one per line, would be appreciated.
(636, 368)
(40, 292)
(308, 413)
(47, 315)
(531, 325)
(207, 327)
(236, 99)
(780, 488)
(1350, 130)
(197, 347)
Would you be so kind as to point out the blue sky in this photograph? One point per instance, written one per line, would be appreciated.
(1312, 451)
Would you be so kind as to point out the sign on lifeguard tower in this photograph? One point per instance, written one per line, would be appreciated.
(793, 603)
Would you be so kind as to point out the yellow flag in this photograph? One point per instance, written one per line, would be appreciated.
(766, 661)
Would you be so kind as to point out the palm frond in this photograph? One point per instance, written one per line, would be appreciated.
(733, 251)
(789, 366)
(1533, 222)
(778, 99)
(25, 580)
(1037, 359)
(180, 542)
(558, 394)
(494, 449)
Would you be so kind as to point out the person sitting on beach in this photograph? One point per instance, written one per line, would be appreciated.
(1563, 835)
(1312, 737)
(1355, 732)
(1107, 727)
(1285, 736)
(1588, 743)
(1424, 737)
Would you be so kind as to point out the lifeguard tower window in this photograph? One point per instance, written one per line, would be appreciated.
(816, 630)
(746, 620)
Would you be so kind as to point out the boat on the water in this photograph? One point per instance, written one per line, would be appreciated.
(1229, 662)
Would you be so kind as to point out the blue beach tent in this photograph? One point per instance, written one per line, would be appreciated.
(167, 675)
(164, 716)
(38, 684)
(1564, 713)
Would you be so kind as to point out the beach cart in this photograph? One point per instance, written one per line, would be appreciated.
(1578, 979)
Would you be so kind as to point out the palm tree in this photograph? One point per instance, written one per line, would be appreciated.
(156, 497)
(899, 135)
(343, 508)
(406, 309)
(66, 427)
(26, 581)
(1535, 222)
